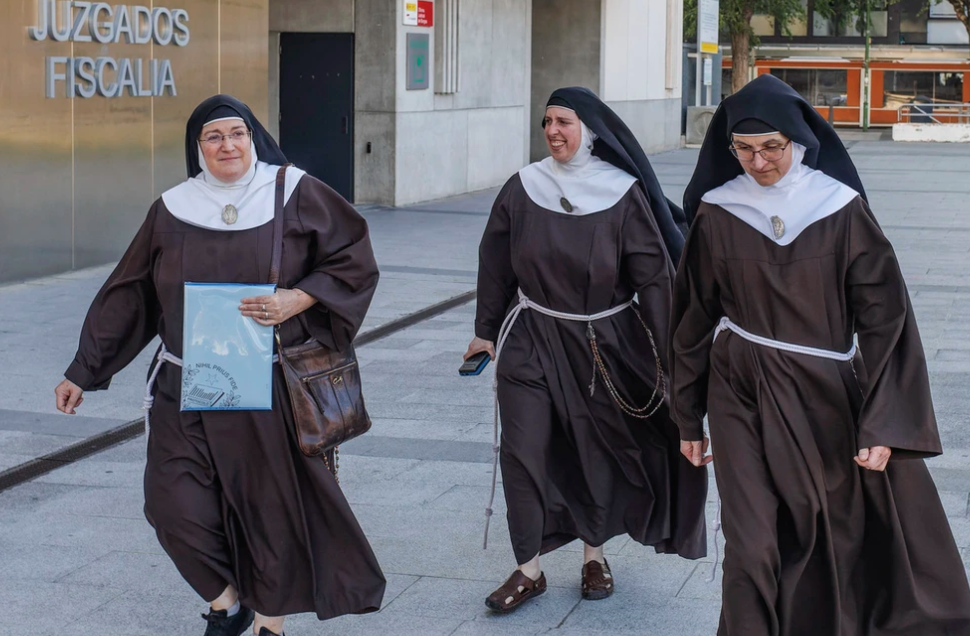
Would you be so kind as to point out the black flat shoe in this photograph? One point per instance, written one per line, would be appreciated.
(264, 631)
(222, 625)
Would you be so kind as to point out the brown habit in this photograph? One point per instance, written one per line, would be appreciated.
(574, 466)
(815, 545)
(231, 497)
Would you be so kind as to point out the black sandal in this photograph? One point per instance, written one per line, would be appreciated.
(514, 592)
(221, 624)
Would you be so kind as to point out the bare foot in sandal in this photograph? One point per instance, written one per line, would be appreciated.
(515, 591)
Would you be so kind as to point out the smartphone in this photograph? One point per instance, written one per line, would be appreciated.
(475, 364)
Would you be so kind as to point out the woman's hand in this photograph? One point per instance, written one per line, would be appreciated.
(280, 307)
(68, 397)
(694, 452)
(874, 458)
(477, 345)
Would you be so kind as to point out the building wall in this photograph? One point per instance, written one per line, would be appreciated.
(476, 138)
(566, 51)
(641, 63)
(375, 89)
(312, 16)
(77, 176)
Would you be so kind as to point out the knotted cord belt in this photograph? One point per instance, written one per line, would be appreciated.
(659, 392)
(726, 324)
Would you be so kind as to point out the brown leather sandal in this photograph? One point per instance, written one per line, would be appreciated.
(597, 581)
(514, 592)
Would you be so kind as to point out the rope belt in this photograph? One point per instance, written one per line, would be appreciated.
(149, 400)
(726, 324)
(503, 334)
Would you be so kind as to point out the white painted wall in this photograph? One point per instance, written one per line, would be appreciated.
(946, 32)
(475, 138)
(641, 45)
(634, 50)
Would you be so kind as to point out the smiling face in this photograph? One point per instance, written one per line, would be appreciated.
(564, 133)
(762, 170)
(229, 158)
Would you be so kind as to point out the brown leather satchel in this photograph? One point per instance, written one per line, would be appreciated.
(323, 385)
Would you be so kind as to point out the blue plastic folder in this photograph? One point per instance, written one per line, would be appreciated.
(227, 358)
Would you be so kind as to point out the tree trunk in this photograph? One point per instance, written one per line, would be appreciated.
(740, 52)
(962, 8)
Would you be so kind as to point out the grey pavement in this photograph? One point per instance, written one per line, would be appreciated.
(418, 482)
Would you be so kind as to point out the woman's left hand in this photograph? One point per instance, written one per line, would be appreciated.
(281, 306)
(874, 458)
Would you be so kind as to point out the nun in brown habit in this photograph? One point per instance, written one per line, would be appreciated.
(250, 522)
(793, 331)
(588, 451)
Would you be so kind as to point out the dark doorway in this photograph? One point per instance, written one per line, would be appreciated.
(317, 106)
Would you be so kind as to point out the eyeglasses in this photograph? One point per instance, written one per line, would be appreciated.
(772, 154)
(237, 137)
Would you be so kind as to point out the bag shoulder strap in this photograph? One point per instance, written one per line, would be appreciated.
(274, 270)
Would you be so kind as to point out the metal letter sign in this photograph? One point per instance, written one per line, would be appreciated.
(708, 25)
(84, 21)
(418, 64)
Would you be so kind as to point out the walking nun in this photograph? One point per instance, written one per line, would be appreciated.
(574, 293)
(792, 330)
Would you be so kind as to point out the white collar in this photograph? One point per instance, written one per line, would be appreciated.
(586, 183)
(783, 210)
(200, 201)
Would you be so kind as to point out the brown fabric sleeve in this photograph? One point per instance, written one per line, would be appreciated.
(648, 269)
(497, 283)
(696, 311)
(343, 275)
(898, 409)
(122, 319)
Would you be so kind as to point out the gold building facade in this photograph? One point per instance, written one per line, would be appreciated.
(78, 173)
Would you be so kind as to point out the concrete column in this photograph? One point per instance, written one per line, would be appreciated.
(273, 122)
(375, 82)
(566, 51)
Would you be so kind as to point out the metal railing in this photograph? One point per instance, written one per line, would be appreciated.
(934, 113)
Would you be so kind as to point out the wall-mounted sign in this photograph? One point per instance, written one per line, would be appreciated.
(82, 21)
(425, 13)
(418, 63)
(410, 12)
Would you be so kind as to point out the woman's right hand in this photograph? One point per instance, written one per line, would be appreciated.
(477, 345)
(694, 452)
(68, 397)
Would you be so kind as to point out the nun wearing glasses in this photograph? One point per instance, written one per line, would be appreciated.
(588, 451)
(258, 529)
(792, 330)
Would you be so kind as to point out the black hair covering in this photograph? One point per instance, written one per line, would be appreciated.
(753, 126)
(778, 105)
(617, 145)
(217, 107)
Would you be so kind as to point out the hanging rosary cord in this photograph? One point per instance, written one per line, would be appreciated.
(659, 391)
(336, 463)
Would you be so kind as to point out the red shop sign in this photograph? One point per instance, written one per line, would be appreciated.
(425, 13)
